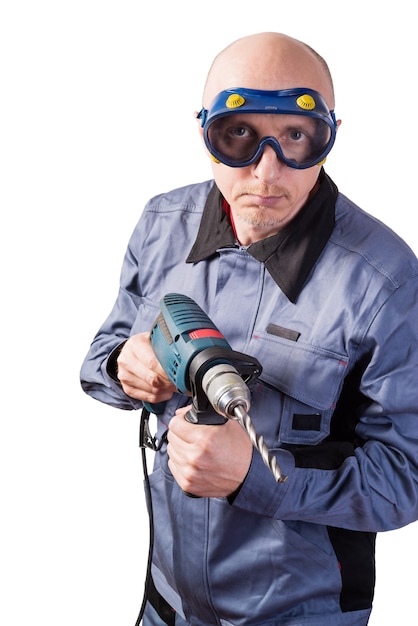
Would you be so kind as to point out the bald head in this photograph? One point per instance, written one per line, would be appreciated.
(269, 61)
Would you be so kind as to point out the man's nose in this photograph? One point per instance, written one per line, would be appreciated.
(269, 167)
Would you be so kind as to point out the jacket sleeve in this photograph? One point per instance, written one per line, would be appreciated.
(369, 483)
(157, 248)
(95, 378)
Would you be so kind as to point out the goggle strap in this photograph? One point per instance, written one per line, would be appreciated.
(202, 116)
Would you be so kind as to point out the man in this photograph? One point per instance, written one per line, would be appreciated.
(326, 298)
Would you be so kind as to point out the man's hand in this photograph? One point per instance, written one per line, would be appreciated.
(210, 461)
(140, 372)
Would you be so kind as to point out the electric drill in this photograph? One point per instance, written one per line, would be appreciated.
(200, 363)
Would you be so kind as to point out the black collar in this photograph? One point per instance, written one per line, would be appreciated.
(290, 254)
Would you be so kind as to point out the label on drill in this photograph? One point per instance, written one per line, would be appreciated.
(205, 332)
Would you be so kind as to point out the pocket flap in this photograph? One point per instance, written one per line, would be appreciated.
(307, 373)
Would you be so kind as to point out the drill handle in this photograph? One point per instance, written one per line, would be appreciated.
(155, 409)
(202, 412)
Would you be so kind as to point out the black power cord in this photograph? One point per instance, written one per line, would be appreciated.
(146, 440)
(151, 537)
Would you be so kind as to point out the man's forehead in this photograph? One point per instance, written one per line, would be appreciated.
(275, 70)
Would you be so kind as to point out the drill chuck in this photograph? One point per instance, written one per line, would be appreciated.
(225, 389)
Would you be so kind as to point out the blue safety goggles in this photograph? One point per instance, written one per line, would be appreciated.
(301, 138)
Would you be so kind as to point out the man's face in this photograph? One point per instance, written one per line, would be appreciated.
(267, 194)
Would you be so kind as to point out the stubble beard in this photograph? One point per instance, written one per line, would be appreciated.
(256, 219)
(259, 216)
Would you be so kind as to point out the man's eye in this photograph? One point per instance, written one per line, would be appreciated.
(296, 135)
(239, 132)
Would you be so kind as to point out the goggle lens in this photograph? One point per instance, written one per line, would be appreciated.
(298, 140)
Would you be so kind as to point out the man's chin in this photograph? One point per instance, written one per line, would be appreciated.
(261, 216)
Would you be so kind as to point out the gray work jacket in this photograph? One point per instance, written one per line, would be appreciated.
(330, 309)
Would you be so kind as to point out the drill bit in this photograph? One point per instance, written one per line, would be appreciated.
(244, 419)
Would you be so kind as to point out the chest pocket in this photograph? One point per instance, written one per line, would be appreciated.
(309, 379)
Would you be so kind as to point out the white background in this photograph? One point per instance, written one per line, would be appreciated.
(96, 103)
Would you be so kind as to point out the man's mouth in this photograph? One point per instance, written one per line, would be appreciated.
(265, 201)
